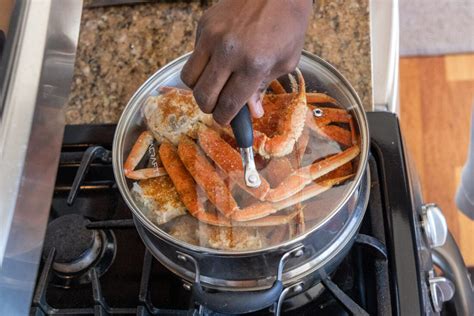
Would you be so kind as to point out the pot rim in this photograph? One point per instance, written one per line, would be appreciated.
(146, 87)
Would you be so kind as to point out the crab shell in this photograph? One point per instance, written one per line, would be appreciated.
(172, 114)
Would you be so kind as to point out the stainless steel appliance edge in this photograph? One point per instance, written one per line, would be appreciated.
(51, 31)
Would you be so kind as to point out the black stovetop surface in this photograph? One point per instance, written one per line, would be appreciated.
(136, 284)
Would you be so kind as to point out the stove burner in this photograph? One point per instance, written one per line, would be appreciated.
(78, 250)
(76, 246)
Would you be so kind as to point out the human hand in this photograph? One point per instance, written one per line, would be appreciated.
(241, 45)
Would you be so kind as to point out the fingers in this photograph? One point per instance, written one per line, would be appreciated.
(210, 83)
(236, 92)
(194, 67)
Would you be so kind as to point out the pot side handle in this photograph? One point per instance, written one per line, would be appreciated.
(237, 302)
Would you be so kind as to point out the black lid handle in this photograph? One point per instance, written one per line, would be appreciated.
(242, 128)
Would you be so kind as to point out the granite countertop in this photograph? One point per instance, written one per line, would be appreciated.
(121, 46)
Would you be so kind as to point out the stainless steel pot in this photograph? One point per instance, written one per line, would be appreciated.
(268, 270)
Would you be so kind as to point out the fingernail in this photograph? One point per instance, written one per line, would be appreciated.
(259, 108)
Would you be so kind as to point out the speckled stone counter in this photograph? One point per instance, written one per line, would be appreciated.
(120, 47)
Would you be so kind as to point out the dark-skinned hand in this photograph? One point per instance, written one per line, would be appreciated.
(241, 45)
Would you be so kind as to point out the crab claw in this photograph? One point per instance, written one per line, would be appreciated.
(289, 129)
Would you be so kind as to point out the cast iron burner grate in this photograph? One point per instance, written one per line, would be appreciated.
(136, 284)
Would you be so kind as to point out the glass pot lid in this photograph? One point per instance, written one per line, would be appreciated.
(183, 174)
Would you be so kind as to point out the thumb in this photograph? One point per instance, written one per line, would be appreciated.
(255, 105)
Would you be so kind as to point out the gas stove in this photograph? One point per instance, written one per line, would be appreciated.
(94, 262)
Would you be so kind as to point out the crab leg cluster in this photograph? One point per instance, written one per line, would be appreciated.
(185, 185)
(206, 169)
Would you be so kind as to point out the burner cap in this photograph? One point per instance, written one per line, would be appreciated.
(69, 236)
